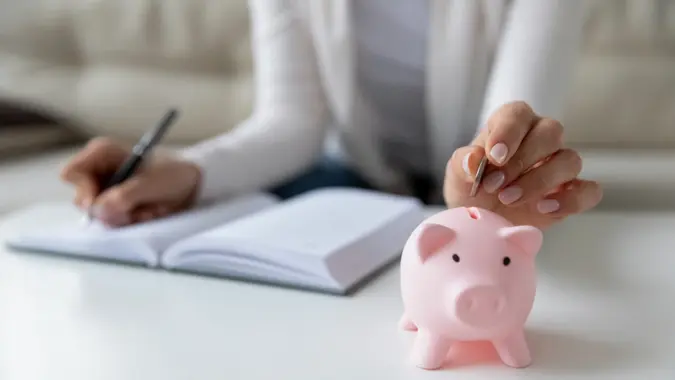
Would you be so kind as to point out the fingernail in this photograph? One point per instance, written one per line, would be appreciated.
(510, 194)
(499, 152)
(493, 182)
(465, 164)
(98, 212)
(547, 206)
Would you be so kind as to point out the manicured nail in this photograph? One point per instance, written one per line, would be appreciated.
(98, 212)
(547, 206)
(510, 194)
(499, 152)
(465, 164)
(493, 182)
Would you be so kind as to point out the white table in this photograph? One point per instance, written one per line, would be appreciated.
(605, 310)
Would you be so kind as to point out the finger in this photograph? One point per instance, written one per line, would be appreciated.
(86, 189)
(146, 188)
(541, 142)
(506, 129)
(124, 198)
(101, 155)
(561, 168)
(144, 216)
(463, 164)
(141, 214)
(575, 198)
(161, 211)
(116, 205)
(149, 212)
(111, 220)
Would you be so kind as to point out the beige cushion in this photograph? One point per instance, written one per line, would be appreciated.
(623, 95)
(113, 67)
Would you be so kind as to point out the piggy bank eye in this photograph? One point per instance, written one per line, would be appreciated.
(506, 261)
(455, 258)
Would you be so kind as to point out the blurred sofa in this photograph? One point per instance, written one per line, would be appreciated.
(621, 110)
(112, 67)
(624, 91)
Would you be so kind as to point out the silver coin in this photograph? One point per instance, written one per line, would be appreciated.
(479, 176)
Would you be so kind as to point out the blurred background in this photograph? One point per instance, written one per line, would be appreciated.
(71, 70)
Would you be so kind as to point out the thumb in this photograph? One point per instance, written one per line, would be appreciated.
(463, 164)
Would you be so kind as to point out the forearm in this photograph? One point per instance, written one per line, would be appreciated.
(254, 157)
(536, 56)
(286, 131)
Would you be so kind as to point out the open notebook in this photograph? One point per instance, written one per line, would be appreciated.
(326, 240)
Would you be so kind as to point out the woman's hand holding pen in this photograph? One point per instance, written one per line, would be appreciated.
(162, 186)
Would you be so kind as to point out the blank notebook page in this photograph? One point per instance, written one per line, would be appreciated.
(315, 224)
(59, 226)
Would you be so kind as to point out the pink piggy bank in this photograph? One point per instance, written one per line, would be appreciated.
(468, 274)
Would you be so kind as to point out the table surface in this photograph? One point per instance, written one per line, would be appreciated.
(604, 310)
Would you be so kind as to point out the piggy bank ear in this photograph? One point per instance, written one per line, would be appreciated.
(528, 238)
(432, 238)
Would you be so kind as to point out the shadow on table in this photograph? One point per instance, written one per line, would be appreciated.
(579, 252)
(552, 352)
(561, 352)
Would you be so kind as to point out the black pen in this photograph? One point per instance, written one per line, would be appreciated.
(139, 152)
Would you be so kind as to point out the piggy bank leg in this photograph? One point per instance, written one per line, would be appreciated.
(430, 350)
(513, 350)
(406, 324)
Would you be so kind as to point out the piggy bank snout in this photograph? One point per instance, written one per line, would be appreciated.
(479, 305)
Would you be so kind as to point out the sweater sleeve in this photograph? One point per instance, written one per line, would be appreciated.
(536, 55)
(285, 133)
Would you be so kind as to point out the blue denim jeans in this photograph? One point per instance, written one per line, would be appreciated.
(327, 172)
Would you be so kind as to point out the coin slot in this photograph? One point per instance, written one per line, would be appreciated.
(473, 213)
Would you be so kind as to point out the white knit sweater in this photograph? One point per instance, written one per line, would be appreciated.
(482, 53)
